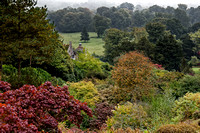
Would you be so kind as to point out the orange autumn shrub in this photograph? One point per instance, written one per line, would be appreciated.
(133, 74)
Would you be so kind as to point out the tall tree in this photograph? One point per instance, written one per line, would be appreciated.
(84, 35)
(127, 5)
(168, 52)
(117, 42)
(182, 16)
(132, 73)
(188, 47)
(101, 24)
(196, 39)
(26, 32)
(155, 30)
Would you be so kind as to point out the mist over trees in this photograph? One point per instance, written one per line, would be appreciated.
(125, 16)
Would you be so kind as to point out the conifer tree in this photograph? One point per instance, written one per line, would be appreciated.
(84, 35)
(25, 33)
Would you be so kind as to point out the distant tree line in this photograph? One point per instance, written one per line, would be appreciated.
(125, 16)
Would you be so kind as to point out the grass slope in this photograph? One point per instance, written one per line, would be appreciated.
(94, 45)
(196, 70)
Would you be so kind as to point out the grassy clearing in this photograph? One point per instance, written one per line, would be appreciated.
(196, 70)
(94, 45)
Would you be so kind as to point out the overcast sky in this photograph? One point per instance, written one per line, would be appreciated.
(164, 3)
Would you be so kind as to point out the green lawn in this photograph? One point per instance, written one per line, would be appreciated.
(94, 45)
(196, 70)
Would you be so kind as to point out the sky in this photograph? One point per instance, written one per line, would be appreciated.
(164, 3)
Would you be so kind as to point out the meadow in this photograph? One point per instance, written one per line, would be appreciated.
(196, 70)
(94, 45)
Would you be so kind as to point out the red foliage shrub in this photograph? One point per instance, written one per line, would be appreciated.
(4, 86)
(158, 66)
(39, 108)
(102, 112)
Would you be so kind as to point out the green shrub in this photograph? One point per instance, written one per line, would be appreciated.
(128, 115)
(29, 75)
(57, 81)
(85, 92)
(166, 79)
(9, 70)
(188, 84)
(88, 66)
(186, 106)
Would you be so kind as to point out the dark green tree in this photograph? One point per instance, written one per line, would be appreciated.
(195, 27)
(182, 6)
(155, 31)
(102, 10)
(188, 47)
(138, 19)
(145, 46)
(173, 25)
(168, 52)
(117, 42)
(101, 24)
(26, 33)
(70, 19)
(85, 35)
(127, 5)
(194, 14)
(182, 16)
(156, 8)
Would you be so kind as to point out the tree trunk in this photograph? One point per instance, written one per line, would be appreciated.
(19, 67)
(30, 60)
(1, 69)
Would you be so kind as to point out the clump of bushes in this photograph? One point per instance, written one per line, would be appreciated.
(179, 128)
(188, 84)
(4, 86)
(186, 106)
(88, 66)
(85, 92)
(29, 75)
(101, 114)
(128, 115)
(31, 109)
(120, 130)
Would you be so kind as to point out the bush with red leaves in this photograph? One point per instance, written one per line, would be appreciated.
(102, 112)
(4, 86)
(39, 109)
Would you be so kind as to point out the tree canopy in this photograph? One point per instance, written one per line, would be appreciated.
(26, 32)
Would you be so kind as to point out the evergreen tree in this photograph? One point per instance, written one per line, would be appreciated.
(25, 32)
(188, 47)
(84, 35)
(155, 31)
(101, 23)
(168, 52)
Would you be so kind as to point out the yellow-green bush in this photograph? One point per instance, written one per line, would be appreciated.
(85, 92)
(165, 78)
(128, 115)
(186, 106)
(179, 128)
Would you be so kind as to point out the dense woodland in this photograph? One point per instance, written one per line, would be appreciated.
(147, 81)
